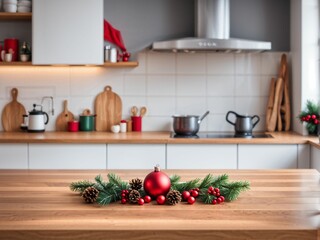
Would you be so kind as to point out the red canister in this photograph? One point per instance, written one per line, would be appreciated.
(73, 126)
(136, 123)
(11, 45)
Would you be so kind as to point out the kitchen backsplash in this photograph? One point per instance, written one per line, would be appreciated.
(166, 83)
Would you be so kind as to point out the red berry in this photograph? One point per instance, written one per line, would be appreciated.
(316, 121)
(126, 191)
(147, 199)
(185, 195)
(125, 59)
(197, 189)
(191, 200)
(123, 195)
(222, 197)
(214, 202)
(161, 199)
(214, 193)
(217, 190)
(219, 200)
(217, 194)
(195, 193)
(313, 116)
(123, 200)
(140, 201)
(211, 188)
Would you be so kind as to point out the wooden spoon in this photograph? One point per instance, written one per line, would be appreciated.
(134, 111)
(143, 111)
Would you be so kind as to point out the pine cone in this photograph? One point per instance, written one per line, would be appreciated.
(90, 194)
(135, 184)
(173, 197)
(134, 196)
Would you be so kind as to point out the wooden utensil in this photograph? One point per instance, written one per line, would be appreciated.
(12, 114)
(143, 111)
(279, 118)
(108, 109)
(276, 106)
(64, 118)
(270, 102)
(285, 107)
(134, 111)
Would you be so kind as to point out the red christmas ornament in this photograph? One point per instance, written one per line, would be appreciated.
(191, 200)
(185, 195)
(147, 199)
(161, 199)
(141, 201)
(156, 183)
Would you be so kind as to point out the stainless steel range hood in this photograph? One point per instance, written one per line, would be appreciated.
(213, 32)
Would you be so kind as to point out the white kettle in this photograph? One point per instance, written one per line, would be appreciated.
(37, 119)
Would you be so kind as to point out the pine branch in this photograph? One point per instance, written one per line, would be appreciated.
(80, 186)
(104, 198)
(100, 184)
(219, 180)
(116, 180)
(174, 179)
(186, 186)
(232, 190)
(207, 198)
(206, 182)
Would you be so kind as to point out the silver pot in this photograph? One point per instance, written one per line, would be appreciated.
(243, 124)
(187, 124)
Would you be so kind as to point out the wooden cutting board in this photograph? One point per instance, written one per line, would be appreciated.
(276, 105)
(108, 109)
(64, 118)
(285, 106)
(270, 102)
(12, 114)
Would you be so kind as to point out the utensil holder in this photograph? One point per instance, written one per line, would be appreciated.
(136, 123)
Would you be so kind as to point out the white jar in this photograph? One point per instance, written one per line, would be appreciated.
(123, 127)
(113, 55)
(107, 53)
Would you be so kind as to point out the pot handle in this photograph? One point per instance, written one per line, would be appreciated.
(227, 117)
(258, 119)
(46, 122)
(203, 116)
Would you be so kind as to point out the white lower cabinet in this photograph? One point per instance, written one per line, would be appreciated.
(273, 156)
(315, 158)
(201, 156)
(67, 156)
(136, 156)
(13, 156)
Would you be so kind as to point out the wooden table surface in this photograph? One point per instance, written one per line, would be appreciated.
(282, 204)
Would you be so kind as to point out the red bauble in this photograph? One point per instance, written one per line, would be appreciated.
(156, 183)
(161, 199)
(147, 199)
(185, 195)
(140, 201)
(191, 200)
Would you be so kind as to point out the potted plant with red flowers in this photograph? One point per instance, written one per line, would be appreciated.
(311, 116)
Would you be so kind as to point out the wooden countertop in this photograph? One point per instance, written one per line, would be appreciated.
(147, 138)
(282, 204)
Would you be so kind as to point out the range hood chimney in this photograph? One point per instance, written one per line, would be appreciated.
(212, 28)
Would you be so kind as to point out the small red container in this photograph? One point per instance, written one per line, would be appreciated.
(12, 45)
(73, 126)
(136, 123)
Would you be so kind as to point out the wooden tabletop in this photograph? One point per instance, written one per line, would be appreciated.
(148, 138)
(282, 204)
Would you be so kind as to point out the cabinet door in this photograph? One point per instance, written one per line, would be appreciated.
(67, 156)
(14, 156)
(278, 156)
(67, 32)
(136, 156)
(186, 156)
(315, 158)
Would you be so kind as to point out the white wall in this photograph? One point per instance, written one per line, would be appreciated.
(166, 83)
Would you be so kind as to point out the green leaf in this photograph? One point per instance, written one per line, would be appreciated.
(207, 198)
(219, 180)
(186, 186)
(116, 180)
(104, 198)
(232, 190)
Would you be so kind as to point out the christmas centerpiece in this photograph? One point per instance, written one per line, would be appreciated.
(311, 116)
(161, 188)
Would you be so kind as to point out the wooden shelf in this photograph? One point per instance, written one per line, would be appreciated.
(15, 64)
(121, 64)
(107, 64)
(15, 16)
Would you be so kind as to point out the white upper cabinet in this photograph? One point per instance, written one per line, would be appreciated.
(67, 32)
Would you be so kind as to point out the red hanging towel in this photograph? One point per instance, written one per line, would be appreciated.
(113, 35)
